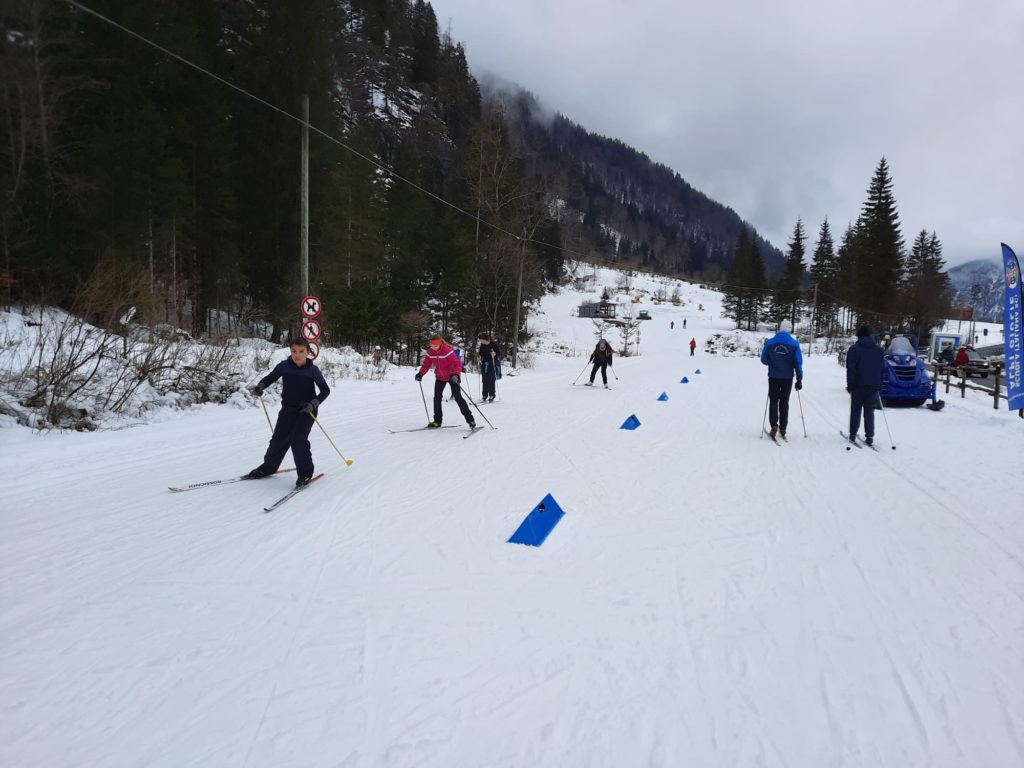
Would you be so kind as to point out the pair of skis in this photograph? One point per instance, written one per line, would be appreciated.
(472, 431)
(776, 439)
(855, 444)
(212, 483)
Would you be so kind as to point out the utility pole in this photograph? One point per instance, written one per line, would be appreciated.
(814, 309)
(304, 202)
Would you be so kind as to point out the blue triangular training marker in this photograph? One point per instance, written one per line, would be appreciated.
(631, 423)
(697, 371)
(684, 380)
(538, 524)
(663, 397)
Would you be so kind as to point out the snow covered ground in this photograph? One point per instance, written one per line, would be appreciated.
(709, 599)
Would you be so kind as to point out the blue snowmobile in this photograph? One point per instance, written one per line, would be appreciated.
(905, 379)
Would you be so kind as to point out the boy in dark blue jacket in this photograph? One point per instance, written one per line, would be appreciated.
(490, 362)
(782, 355)
(303, 389)
(864, 370)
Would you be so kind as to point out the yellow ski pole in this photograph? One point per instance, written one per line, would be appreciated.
(266, 414)
(348, 462)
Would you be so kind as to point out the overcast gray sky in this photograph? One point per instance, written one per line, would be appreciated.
(782, 109)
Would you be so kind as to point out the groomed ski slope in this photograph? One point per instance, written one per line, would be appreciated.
(708, 599)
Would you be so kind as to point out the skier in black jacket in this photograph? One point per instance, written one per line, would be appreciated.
(864, 370)
(490, 360)
(601, 357)
(303, 390)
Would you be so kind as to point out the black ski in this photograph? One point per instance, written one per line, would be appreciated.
(421, 429)
(850, 442)
(212, 483)
(292, 493)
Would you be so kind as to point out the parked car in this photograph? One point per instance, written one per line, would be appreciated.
(977, 365)
(644, 315)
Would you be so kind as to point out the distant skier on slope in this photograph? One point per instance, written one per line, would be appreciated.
(864, 371)
(782, 355)
(303, 389)
(490, 364)
(601, 357)
(447, 371)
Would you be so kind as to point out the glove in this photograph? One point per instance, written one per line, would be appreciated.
(455, 378)
(799, 385)
(419, 377)
(257, 390)
(310, 407)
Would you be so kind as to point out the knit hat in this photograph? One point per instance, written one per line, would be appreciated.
(863, 331)
(786, 327)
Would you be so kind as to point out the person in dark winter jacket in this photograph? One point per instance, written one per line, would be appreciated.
(601, 357)
(782, 355)
(303, 389)
(447, 372)
(490, 360)
(864, 370)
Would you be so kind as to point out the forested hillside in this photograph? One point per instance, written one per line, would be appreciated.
(150, 157)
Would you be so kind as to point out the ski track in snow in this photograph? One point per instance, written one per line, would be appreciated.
(708, 599)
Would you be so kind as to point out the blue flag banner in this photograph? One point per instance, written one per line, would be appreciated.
(1013, 332)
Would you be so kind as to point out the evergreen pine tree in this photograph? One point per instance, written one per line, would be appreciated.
(879, 251)
(824, 275)
(786, 296)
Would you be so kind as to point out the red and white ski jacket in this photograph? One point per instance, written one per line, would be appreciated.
(445, 363)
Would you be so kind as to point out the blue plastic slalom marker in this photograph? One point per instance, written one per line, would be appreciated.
(697, 371)
(631, 423)
(662, 397)
(684, 380)
(538, 524)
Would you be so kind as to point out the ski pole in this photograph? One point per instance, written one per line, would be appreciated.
(348, 462)
(580, 373)
(764, 420)
(424, 400)
(266, 414)
(476, 406)
(612, 369)
(886, 420)
(801, 403)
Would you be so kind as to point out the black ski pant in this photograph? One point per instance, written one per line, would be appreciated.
(604, 372)
(456, 393)
(778, 402)
(863, 399)
(692, 350)
(291, 431)
(490, 376)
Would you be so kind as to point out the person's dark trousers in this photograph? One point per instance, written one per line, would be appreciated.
(863, 399)
(489, 376)
(778, 402)
(604, 372)
(456, 393)
(692, 350)
(291, 431)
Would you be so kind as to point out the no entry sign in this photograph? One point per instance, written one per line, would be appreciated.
(311, 330)
(311, 306)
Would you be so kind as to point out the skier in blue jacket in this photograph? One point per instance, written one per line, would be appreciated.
(302, 392)
(864, 371)
(782, 355)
